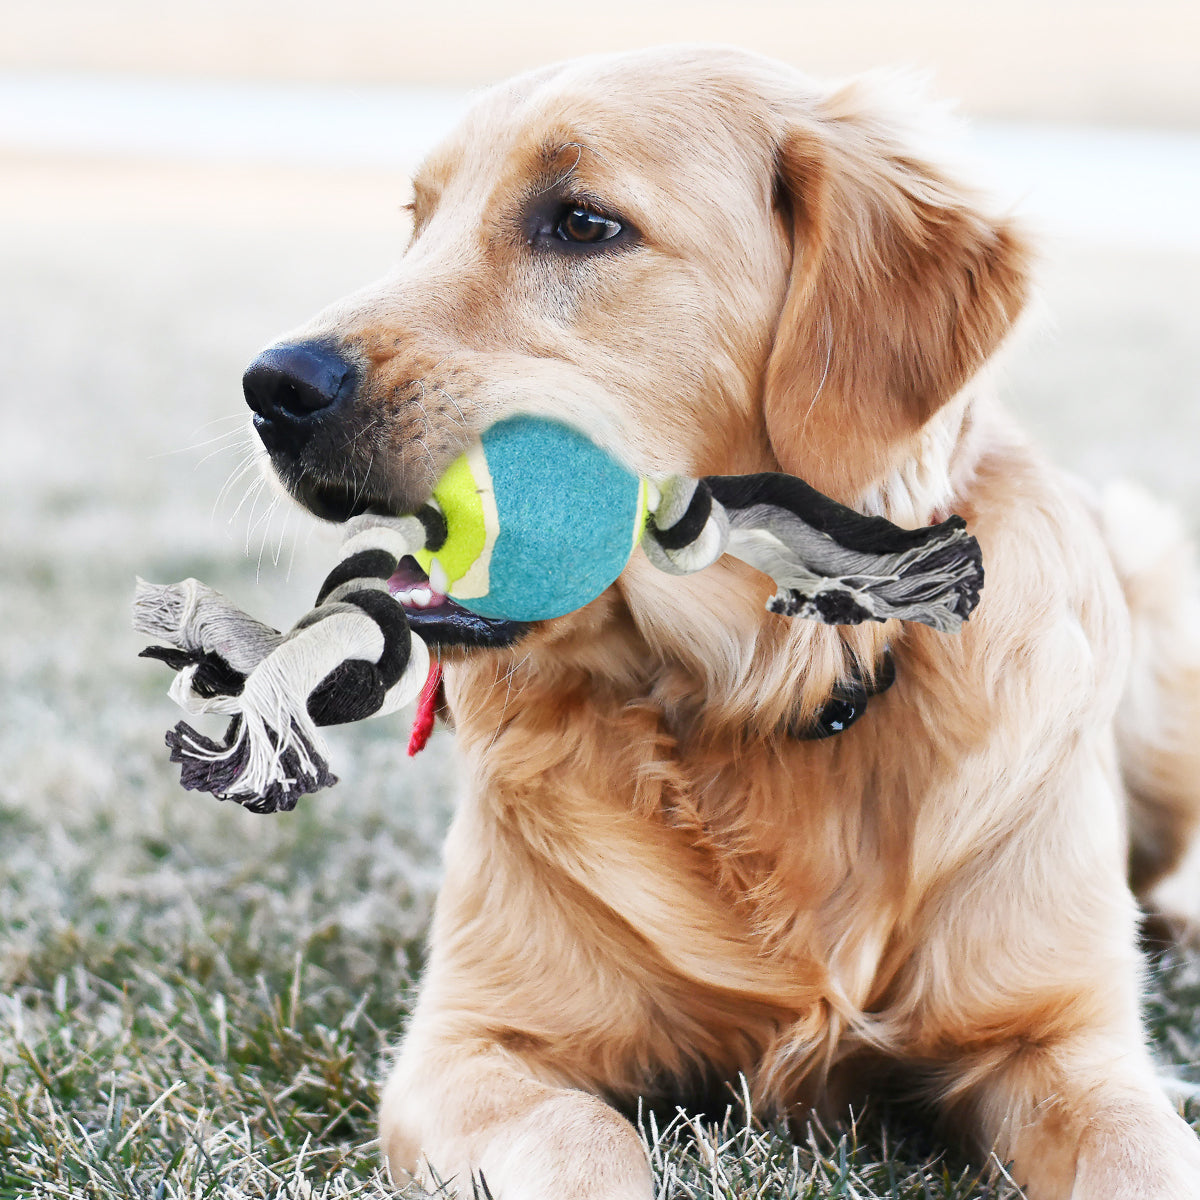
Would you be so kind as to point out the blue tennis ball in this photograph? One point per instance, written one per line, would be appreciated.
(540, 521)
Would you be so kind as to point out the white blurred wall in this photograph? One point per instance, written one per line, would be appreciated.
(1077, 60)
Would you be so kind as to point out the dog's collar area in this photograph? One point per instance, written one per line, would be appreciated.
(847, 704)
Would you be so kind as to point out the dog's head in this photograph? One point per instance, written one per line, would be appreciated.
(700, 258)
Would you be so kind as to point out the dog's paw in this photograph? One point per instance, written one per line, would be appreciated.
(572, 1144)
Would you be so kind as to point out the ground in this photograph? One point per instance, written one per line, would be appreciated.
(195, 1001)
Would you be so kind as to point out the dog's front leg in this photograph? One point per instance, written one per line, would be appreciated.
(1037, 1028)
(1085, 1119)
(463, 1110)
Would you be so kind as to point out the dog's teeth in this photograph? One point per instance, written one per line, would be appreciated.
(438, 580)
(416, 596)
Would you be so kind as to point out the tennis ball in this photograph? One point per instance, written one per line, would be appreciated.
(540, 521)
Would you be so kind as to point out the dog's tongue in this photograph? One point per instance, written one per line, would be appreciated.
(427, 701)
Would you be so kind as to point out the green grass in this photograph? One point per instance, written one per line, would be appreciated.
(196, 1002)
(196, 1012)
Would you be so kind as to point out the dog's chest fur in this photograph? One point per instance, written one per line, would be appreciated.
(757, 881)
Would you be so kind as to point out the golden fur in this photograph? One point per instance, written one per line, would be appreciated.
(647, 881)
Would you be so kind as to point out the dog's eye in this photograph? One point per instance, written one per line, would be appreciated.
(575, 225)
(585, 226)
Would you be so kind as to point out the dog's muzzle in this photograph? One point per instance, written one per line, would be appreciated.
(303, 396)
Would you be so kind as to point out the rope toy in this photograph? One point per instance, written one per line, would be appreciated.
(532, 522)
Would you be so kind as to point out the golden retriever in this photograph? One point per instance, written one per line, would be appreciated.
(711, 264)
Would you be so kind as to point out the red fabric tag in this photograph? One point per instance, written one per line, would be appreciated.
(427, 702)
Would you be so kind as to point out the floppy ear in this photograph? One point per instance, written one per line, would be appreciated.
(899, 291)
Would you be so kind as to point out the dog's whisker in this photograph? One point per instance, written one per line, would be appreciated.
(292, 555)
(220, 440)
(226, 492)
(283, 530)
(423, 443)
(264, 524)
(235, 475)
(253, 493)
(252, 520)
(567, 172)
(245, 464)
(360, 483)
(230, 441)
(256, 482)
(237, 420)
(349, 444)
(462, 420)
(509, 675)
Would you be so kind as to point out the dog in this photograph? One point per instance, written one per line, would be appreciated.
(658, 876)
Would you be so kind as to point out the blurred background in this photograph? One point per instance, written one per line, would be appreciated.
(182, 181)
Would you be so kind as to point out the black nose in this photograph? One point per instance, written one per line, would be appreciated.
(294, 388)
